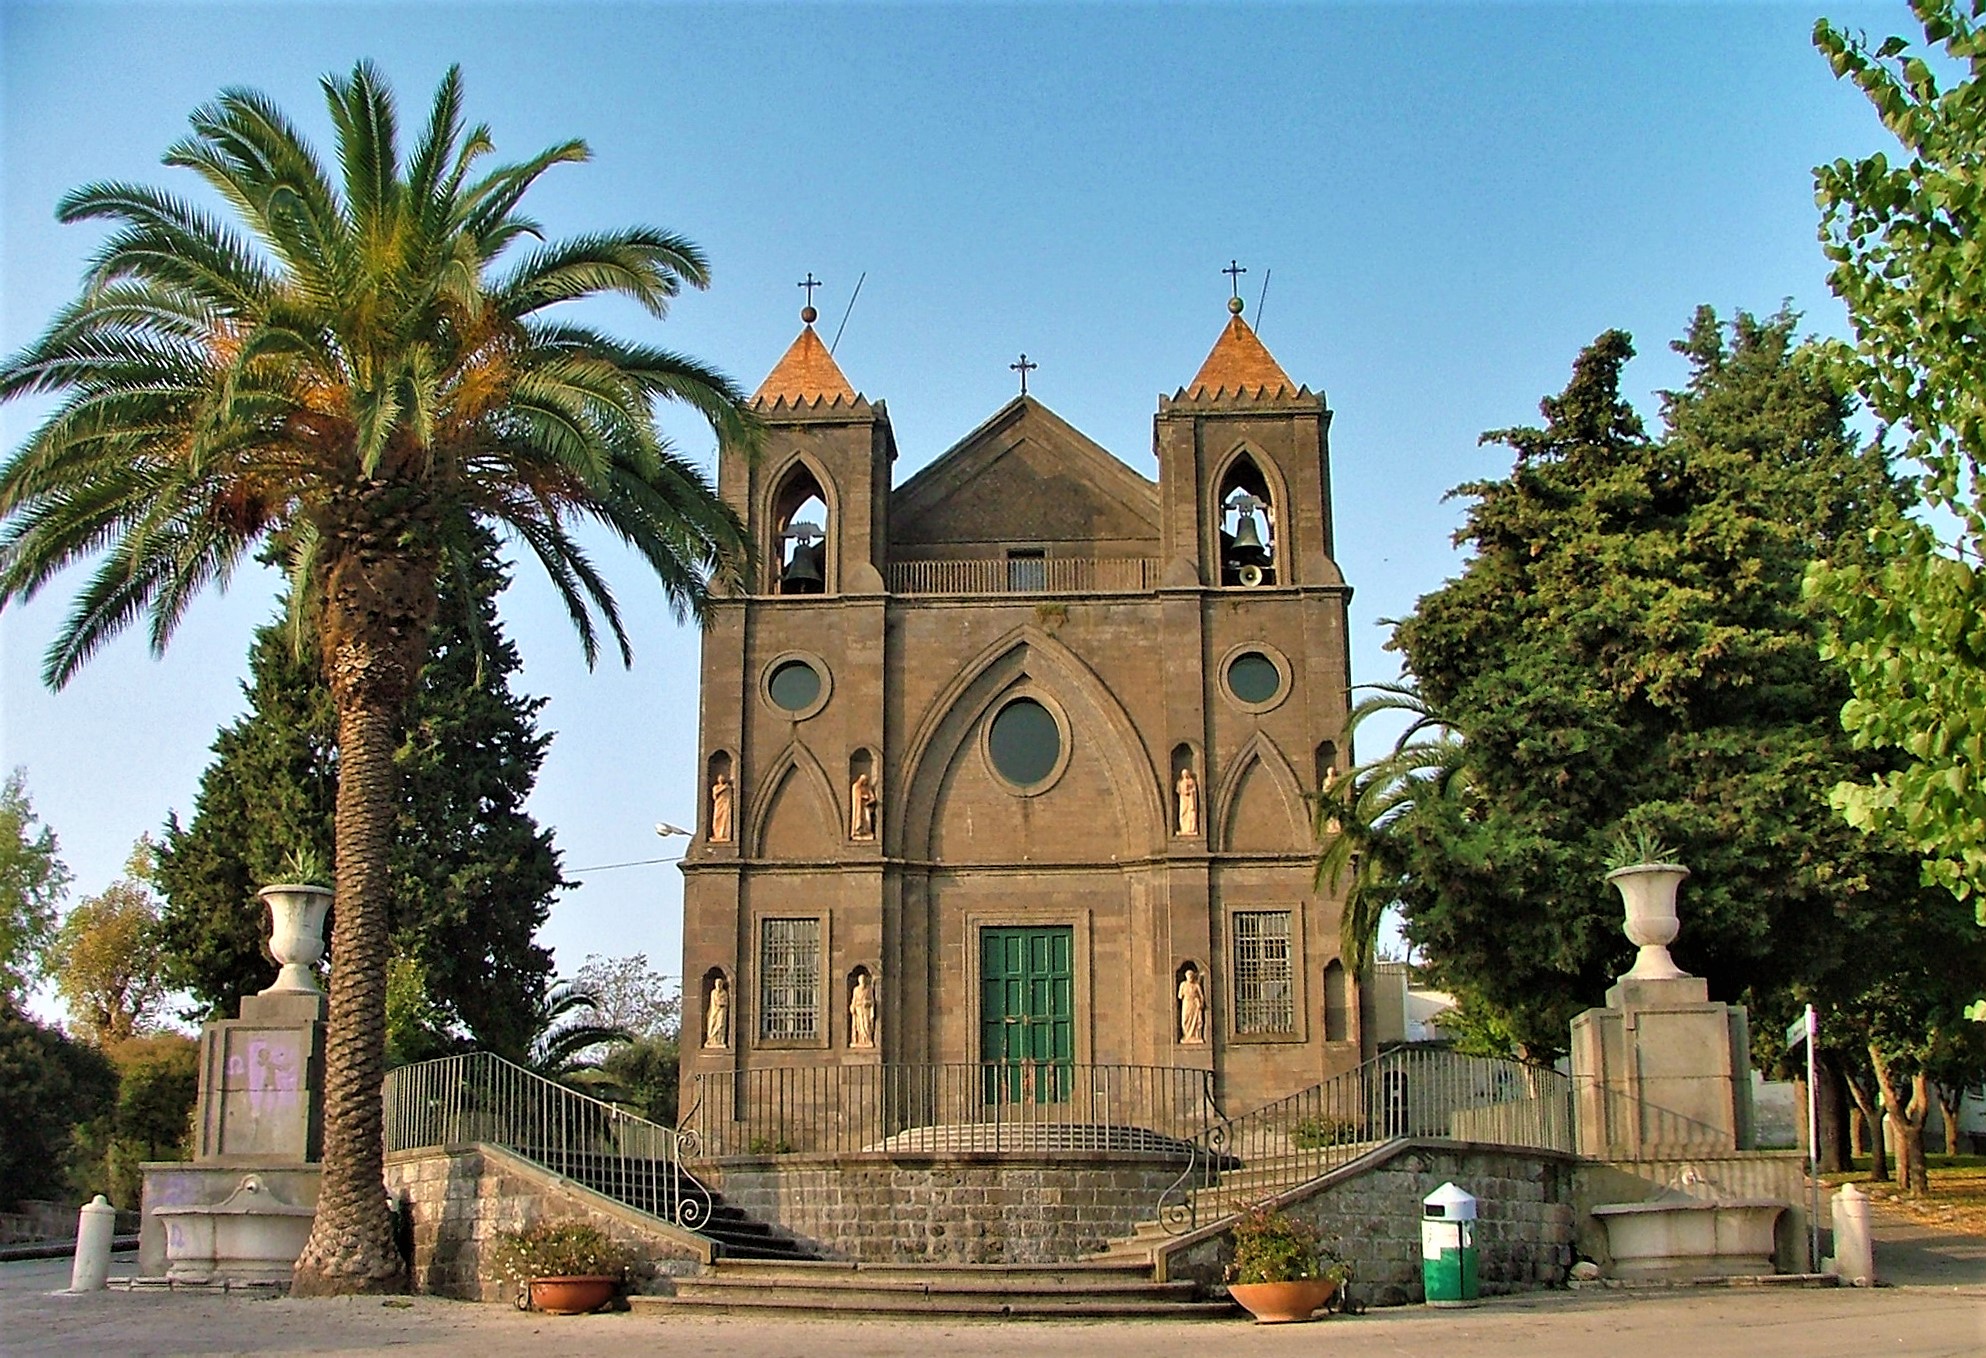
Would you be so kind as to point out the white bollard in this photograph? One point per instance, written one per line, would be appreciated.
(1854, 1259)
(95, 1225)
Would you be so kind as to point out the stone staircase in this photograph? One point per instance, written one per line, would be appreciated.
(1090, 1290)
(1233, 1192)
(649, 1186)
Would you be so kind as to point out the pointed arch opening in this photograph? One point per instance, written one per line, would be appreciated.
(1248, 525)
(797, 557)
(1337, 1003)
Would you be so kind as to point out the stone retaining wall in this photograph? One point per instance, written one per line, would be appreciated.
(459, 1198)
(952, 1209)
(1372, 1211)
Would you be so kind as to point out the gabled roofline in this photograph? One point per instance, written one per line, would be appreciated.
(951, 469)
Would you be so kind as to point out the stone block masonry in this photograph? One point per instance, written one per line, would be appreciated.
(458, 1199)
(952, 1209)
(1371, 1211)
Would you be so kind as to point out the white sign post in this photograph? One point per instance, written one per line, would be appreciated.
(1806, 1029)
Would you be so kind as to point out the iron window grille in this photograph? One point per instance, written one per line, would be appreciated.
(790, 980)
(1263, 978)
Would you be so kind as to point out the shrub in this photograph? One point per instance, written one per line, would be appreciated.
(1273, 1247)
(1314, 1133)
(559, 1249)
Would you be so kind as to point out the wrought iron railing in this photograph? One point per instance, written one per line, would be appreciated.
(1241, 1161)
(458, 1100)
(1027, 575)
(1013, 1106)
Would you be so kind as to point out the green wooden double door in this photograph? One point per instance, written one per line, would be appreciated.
(1027, 1022)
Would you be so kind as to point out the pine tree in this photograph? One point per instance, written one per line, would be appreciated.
(473, 875)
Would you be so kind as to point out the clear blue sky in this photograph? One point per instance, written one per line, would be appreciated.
(1452, 199)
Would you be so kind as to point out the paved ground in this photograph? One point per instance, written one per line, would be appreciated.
(1936, 1310)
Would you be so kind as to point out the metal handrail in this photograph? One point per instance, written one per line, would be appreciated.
(1010, 1106)
(1262, 1154)
(479, 1096)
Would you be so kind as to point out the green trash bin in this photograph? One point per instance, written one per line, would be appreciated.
(1448, 1248)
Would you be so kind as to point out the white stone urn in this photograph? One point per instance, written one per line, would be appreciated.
(1649, 892)
(296, 934)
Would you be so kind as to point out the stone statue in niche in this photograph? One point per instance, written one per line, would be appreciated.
(862, 801)
(720, 809)
(862, 1012)
(1331, 826)
(1187, 792)
(717, 1014)
(1192, 1009)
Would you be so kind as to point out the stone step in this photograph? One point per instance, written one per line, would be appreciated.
(1076, 1273)
(1076, 1290)
(1094, 1308)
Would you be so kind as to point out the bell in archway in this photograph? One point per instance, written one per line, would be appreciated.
(803, 571)
(1247, 537)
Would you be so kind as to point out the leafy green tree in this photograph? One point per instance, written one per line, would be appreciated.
(1905, 237)
(1629, 645)
(348, 373)
(49, 1083)
(32, 883)
(158, 1083)
(107, 963)
(473, 875)
(645, 1076)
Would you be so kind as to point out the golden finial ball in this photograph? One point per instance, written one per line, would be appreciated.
(809, 315)
(1234, 305)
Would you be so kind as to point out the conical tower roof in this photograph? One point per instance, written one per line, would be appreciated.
(1239, 364)
(806, 376)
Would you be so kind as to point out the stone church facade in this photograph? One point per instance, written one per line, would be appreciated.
(1009, 760)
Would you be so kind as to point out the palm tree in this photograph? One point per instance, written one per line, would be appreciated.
(344, 375)
(569, 1030)
(1360, 818)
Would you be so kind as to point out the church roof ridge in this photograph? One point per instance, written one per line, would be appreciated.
(1239, 365)
(805, 377)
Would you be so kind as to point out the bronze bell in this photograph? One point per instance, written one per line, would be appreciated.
(1248, 538)
(803, 571)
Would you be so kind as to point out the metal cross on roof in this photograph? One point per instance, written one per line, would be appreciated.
(1023, 368)
(809, 284)
(1234, 271)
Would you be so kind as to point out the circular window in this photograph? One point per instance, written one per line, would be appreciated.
(1024, 743)
(1253, 677)
(795, 685)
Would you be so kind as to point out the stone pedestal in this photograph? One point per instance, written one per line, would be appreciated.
(261, 1081)
(259, 1122)
(1662, 1070)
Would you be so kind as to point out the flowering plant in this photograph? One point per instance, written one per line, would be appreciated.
(1272, 1247)
(559, 1249)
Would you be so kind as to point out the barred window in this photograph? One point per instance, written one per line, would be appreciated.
(1264, 998)
(790, 979)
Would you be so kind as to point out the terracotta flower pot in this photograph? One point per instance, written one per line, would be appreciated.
(1281, 1303)
(572, 1296)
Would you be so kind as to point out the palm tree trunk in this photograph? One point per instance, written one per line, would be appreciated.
(351, 1247)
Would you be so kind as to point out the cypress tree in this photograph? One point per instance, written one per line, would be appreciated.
(474, 876)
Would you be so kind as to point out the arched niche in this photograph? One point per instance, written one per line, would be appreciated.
(865, 796)
(720, 799)
(1186, 793)
(799, 559)
(1327, 764)
(864, 1009)
(1248, 523)
(1337, 1003)
(717, 1027)
(1192, 1012)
